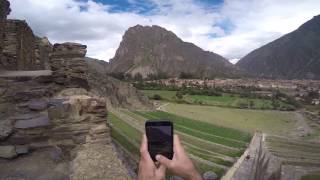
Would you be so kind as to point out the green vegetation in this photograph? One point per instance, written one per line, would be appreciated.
(311, 177)
(202, 128)
(211, 147)
(214, 98)
(272, 122)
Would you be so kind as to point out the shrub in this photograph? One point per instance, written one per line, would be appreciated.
(184, 75)
(156, 97)
(179, 95)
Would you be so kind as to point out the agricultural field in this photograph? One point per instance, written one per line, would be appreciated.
(295, 153)
(211, 147)
(267, 121)
(225, 100)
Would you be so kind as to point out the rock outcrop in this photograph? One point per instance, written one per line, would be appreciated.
(118, 93)
(154, 51)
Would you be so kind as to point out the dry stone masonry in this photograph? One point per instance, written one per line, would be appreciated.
(20, 49)
(54, 119)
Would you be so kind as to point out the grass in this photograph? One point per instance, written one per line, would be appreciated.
(311, 177)
(211, 148)
(129, 131)
(123, 140)
(226, 100)
(199, 126)
(203, 130)
(166, 95)
(272, 122)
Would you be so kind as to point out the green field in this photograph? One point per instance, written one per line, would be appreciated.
(311, 177)
(211, 147)
(272, 122)
(226, 100)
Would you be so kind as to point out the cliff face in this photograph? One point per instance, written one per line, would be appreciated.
(294, 55)
(154, 50)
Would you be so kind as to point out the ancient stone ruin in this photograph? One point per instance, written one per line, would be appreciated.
(52, 126)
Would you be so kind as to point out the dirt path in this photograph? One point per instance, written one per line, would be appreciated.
(161, 108)
(302, 127)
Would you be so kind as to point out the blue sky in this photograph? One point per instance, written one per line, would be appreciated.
(145, 6)
(231, 28)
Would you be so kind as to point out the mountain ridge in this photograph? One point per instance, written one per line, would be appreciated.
(295, 55)
(153, 50)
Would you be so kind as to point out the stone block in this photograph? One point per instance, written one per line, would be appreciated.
(68, 50)
(5, 128)
(37, 104)
(33, 123)
(98, 129)
(59, 111)
(209, 175)
(7, 152)
(22, 149)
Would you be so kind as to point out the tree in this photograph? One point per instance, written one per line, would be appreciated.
(156, 97)
(138, 77)
(179, 95)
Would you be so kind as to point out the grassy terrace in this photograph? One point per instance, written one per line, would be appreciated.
(294, 152)
(211, 147)
(226, 100)
(203, 130)
(247, 120)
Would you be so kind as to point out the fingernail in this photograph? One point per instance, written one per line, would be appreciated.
(158, 157)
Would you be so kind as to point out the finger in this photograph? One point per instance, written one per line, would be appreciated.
(161, 171)
(144, 147)
(163, 161)
(177, 147)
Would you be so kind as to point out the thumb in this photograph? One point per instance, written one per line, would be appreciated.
(163, 160)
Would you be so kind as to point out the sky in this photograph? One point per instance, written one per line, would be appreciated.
(231, 28)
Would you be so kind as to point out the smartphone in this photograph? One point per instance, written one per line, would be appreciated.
(160, 138)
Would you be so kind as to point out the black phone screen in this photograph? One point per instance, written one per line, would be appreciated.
(160, 138)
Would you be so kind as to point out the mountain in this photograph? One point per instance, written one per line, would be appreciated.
(153, 50)
(293, 56)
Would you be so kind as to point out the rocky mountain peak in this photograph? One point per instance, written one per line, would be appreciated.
(153, 50)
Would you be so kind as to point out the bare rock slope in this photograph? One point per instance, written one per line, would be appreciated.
(152, 50)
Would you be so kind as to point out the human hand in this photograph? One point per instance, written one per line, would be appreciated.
(147, 168)
(180, 164)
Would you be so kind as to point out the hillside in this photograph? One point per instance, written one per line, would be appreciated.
(156, 51)
(117, 92)
(294, 55)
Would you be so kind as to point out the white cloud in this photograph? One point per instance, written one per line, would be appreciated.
(254, 22)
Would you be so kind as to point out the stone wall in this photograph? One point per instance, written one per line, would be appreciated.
(4, 11)
(69, 66)
(56, 114)
(257, 162)
(20, 49)
(19, 46)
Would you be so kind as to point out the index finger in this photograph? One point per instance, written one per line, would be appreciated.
(144, 147)
(177, 147)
